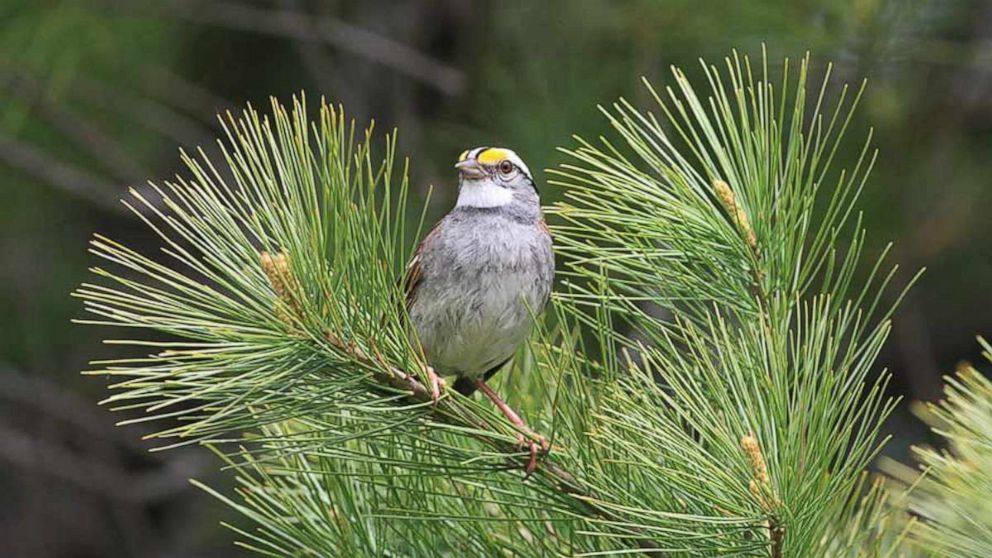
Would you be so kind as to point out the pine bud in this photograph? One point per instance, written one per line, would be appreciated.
(760, 485)
(276, 267)
(737, 213)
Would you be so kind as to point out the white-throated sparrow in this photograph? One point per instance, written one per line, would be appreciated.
(481, 274)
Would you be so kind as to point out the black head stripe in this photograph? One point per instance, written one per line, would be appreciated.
(533, 184)
(475, 152)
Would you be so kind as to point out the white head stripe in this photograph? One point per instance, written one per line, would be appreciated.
(516, 160)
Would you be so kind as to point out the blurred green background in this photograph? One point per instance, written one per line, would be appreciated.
(97, 95)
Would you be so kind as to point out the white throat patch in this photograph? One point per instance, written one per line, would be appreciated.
(483, 193)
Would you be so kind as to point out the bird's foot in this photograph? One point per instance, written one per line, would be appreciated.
(532, 440)
(437, 384)
(532, 445)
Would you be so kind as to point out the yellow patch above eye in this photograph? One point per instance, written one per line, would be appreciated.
(463, 156)
(492, 156)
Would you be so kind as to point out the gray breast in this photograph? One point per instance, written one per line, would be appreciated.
(485, 274)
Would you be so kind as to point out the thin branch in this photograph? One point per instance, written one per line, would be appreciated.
(157, 116)
(450, 411)
(55, 461)
(87, 136)
(191, 97)
(60, 174)
(371, 46)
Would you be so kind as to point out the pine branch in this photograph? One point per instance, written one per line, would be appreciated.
(305, 354)
(741, 426)
(951, 492)
(450, 410)
(770, 344)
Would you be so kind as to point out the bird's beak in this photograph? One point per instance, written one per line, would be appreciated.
(471, 169)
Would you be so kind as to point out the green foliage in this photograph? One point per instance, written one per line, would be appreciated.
(872, 524)
(741, 425)
(953, 498)
(769, 337)
(277, 347)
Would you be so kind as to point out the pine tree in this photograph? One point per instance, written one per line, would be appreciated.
(739, 423)
(947, 503)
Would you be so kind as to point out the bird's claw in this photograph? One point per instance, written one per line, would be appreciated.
(532, 446)
(437, 383)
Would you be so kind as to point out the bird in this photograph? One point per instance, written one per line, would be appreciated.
(480, 277)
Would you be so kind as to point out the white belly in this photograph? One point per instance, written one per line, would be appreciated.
(476, 325)
(484, 277)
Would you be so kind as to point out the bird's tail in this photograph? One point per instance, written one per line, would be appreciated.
(464, 386)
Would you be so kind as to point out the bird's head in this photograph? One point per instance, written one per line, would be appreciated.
(492, 177)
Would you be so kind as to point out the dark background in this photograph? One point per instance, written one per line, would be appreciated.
(97, 95)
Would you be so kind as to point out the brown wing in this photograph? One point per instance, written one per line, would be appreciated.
(543, 226)
(411, 279)
(414, 272)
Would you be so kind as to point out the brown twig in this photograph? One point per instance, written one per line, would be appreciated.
(760, 484)
(450, 412)
(761, 489)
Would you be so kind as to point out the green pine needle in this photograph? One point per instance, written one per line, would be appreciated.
(952, 498)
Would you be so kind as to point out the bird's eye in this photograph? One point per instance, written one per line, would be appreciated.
(506, 167)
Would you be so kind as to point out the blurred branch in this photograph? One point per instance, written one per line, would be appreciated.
(157, 116)
(39, 455)
(372, 46)
(52, 400)
(317, 62)
(103, 463)
(85, 134)
(101, 147)
(184, 94)
(60, 174)
(52, 458)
